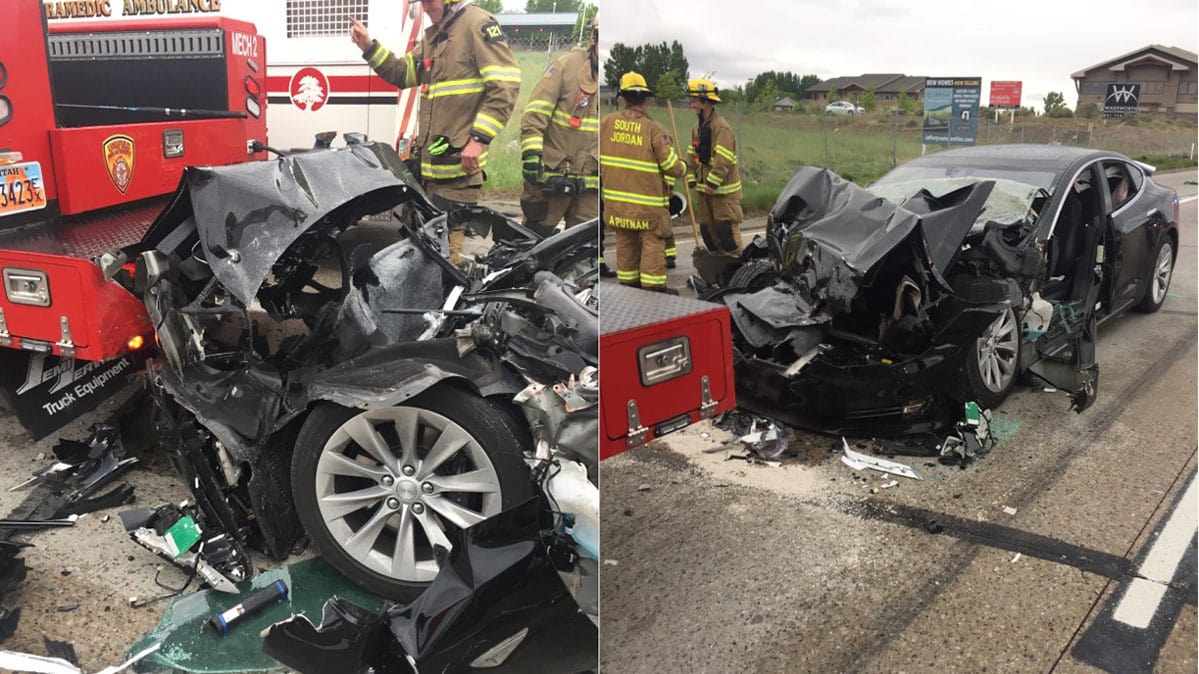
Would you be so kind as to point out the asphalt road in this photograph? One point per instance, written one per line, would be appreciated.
(1069, 548)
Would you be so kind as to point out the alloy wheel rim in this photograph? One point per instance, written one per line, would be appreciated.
(997, 352)
(390, 482)
(1162, 272)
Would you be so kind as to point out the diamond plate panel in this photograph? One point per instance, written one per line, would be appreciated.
(86, 237)
(623, 308)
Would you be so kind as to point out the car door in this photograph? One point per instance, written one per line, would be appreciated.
(1129, 214)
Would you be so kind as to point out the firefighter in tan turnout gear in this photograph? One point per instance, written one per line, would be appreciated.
(712, 171)
(559, 142)
(469, 81)
(637, 165)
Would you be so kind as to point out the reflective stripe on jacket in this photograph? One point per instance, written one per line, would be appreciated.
(561, 119)
(637, 164)
(469, 83)
(720, 171)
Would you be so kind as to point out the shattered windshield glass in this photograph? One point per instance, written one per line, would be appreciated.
(1009, 202)
(926, 175)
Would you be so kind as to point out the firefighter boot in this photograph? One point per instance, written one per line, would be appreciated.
(671, 253)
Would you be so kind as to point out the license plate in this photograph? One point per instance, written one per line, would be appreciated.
(21, 188)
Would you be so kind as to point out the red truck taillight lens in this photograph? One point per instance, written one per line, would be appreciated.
(5, 110)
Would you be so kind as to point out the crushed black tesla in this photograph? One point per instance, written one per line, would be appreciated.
(880, 311)
(377, 399)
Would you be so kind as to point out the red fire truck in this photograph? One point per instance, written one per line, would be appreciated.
(97, 122)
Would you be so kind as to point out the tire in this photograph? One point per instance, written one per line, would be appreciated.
(992, 364)
(355, 503)
(754, 275)
(1160, 275)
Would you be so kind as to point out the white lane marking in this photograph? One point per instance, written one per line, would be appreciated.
(1141, 599)
(1140, 602)
(1188, 199)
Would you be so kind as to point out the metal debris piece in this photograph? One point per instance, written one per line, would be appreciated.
(892, 483)
(705, 435)
(26, 662)
(66, 608)
(1009, 510)
(1016, 558)
(611, 562)
(858, 461)
(72, 484)
(216, 559)
(645, 486)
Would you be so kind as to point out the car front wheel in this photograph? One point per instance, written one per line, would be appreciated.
(991, 366)
(377, 490)
(1159, 277)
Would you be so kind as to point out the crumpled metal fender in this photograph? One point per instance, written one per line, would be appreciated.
(388, 376)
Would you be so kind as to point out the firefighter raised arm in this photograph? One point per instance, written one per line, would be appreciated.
(469, 82)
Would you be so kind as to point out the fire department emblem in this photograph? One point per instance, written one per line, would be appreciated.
(309, 89)
(118, 158)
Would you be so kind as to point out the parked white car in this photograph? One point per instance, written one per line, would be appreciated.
(843, 108)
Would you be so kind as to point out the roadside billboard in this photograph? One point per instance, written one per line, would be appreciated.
(1006, 94)
(951, 110)
(1122, 98)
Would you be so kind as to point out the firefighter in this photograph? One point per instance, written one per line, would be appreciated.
(558, 142)
(469, 81)
(637, 165)
(712, 171)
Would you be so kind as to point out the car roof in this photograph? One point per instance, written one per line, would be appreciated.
(1056, 157)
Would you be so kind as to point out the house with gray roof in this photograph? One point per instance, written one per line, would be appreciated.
(1167, 75)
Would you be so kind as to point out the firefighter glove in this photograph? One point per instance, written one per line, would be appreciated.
(531, 167)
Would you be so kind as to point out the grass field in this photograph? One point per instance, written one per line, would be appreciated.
(773, 145)
(503, 160)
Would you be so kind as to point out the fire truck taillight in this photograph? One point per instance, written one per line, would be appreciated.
(136, 343)
(3, 76)
(10, 157)
(5, 110)
(26, 286)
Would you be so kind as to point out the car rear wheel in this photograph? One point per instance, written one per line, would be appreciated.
(377, 490)
(991, 367)
(1159, 277)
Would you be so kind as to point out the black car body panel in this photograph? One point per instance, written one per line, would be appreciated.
(882, 293)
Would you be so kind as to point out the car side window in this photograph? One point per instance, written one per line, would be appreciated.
(1121, 183)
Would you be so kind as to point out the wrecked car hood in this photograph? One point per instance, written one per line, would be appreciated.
(828, 232)
(247, 215)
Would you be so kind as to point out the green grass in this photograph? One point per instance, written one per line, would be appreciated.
(504, 180)
(861, 149)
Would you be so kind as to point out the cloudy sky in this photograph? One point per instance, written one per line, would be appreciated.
(1037, 41)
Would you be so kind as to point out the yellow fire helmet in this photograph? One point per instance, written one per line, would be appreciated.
(634, 83)
(703, 89)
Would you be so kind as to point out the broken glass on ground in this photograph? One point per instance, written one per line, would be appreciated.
(497, 603)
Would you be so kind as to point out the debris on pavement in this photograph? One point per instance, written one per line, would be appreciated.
(763, 437)
(971, 437)
(72, 485)
(41, 664)
(176, 535)
(859, 461)
(12, 572)
(1009, 510)
(259, 600)
(188, 646)
(497, 593)
(645, 486)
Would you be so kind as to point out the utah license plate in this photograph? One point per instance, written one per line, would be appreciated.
(21, 188)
